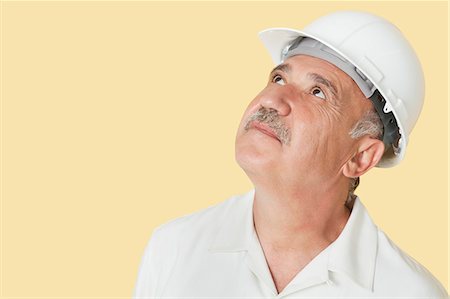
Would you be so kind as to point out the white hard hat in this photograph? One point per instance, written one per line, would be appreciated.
(382, 60)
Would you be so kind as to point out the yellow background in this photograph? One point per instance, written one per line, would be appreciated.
(117, 117)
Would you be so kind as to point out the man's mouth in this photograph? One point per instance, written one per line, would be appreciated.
(264, 129)
(268, 121)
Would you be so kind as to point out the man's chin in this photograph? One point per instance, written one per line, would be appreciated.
(255, 162)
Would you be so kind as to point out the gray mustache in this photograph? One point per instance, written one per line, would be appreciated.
(271, 118)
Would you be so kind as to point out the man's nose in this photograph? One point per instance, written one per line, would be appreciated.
(278, 98)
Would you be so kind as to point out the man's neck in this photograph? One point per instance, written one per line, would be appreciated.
(306, 221)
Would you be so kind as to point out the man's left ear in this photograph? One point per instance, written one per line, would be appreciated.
(370, 151)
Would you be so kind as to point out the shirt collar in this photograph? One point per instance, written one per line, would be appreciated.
(353, 253)
(236, 228)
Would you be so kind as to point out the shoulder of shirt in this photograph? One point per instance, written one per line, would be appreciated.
(179, 239)
(405, 271)
(200, 222)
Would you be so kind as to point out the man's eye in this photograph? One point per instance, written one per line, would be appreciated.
(278, 79)
(318, 93)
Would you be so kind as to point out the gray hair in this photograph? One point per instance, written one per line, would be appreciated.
(370, 124)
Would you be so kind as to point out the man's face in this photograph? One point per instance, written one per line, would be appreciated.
(296, 128)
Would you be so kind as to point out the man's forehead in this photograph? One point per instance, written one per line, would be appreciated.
(311, 64)
(315, 69)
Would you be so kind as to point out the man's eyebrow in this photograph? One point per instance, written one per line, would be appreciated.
(321, 80)
(284, 67)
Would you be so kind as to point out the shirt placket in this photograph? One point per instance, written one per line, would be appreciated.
(257, 263)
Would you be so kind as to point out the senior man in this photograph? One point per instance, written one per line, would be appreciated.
(342, 99)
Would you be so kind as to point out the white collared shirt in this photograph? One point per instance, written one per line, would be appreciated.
(216, 253)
